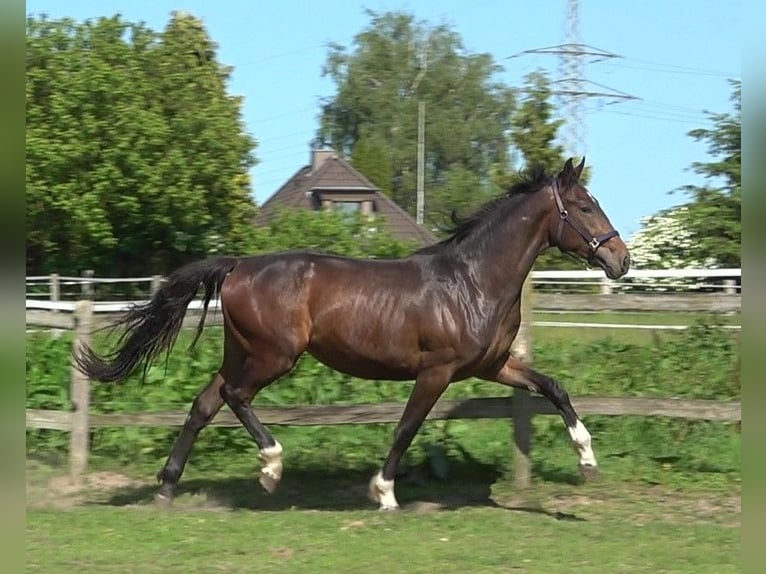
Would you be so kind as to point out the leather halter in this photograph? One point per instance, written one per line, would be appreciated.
(594, 242)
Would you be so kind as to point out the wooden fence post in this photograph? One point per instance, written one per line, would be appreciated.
(79, 436)
(55, 287)
(54, 284)
(155, 285)
(522, 414)
(87, 286)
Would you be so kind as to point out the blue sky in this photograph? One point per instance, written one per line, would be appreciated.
(676, 57)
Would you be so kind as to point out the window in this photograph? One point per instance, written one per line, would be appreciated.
(347, 207)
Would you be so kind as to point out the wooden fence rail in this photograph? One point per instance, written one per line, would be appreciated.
(479, 408)
(520, 408)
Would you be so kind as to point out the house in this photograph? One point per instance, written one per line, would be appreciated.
(330, 182)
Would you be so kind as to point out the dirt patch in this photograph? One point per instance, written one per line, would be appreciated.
(101, 481)
(642, 503)
(731, 504)
(284, 553)
(424, 507)
(350, 524)
(49, 486)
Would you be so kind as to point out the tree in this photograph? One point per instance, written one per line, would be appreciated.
(705, 231)
(136, 157)
(372, 157)
(666, 242)
(534, 128)
(714, 214)
(397, 62)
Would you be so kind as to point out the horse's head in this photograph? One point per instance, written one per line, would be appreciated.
(580, 226)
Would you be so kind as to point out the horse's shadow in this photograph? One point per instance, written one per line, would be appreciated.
(468, 484)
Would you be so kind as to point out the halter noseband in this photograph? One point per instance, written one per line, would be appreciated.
(593, 242)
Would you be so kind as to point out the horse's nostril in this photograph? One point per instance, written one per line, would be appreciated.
(626, 262)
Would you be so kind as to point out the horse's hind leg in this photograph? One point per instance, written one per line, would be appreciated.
(260, 370)
(204, 408)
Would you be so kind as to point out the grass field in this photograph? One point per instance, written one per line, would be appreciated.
(323, 523)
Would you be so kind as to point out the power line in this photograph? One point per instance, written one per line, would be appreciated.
(284, 148)
(279, 116)
(280, 55)
(647, 115)
(283, 136)
(675, 69)
(571, 87)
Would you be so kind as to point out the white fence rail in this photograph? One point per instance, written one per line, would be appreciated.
(54, 313)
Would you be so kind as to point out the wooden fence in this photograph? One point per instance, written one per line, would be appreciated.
(520, 408)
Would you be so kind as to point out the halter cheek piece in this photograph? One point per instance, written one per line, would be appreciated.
(593, 242)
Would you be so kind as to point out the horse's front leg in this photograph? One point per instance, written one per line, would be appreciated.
(514, 373)
(429, 386)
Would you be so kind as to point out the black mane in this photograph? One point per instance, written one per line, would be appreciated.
(464, 227)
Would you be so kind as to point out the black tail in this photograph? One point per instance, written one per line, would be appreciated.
(152, 327)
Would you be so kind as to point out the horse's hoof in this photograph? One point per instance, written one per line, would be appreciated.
(589, 472)
(387, 508)
(269, 483)
(163, 500)
(372, 491)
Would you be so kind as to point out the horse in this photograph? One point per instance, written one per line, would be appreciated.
(441, 314)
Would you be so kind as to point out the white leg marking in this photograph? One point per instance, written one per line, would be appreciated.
(581, 438)
(382, 491)
(272, 457)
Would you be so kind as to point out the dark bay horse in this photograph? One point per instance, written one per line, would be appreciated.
(444, 313)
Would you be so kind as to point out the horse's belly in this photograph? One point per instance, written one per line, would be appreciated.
(364, 344)
(364, 363)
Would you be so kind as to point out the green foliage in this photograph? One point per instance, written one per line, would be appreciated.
(667, 241)
(606, 367)
(137, 157)
(354, 235)
(724, 142)
(372, 157)
(534, 129)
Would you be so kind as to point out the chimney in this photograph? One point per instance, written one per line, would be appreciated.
(318, 157)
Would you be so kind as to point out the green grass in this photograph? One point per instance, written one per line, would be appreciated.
(323, 523)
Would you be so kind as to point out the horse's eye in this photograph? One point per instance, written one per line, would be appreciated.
(586, 209)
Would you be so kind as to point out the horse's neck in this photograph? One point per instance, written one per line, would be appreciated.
(511, 251)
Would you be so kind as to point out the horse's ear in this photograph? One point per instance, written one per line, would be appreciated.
(571, 174)
(567, 176)
(579, 168)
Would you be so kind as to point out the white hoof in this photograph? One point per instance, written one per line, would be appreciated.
(582, 443)
(271, 472)
(382, 492)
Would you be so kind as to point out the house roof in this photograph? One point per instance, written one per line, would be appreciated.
(329, 175)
